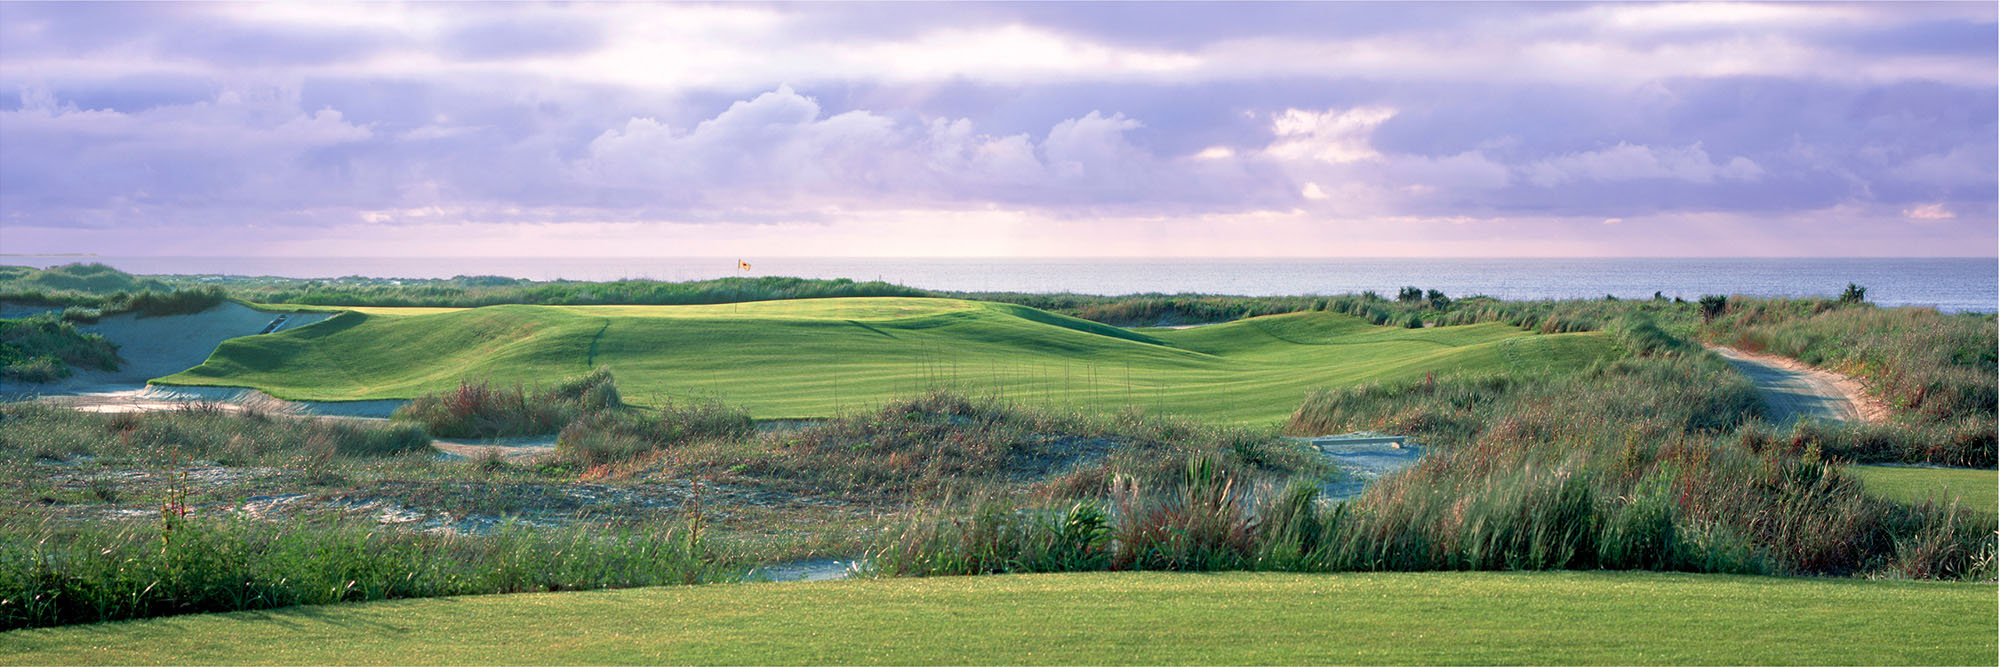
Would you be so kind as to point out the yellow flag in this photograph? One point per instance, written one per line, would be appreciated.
(742, 265)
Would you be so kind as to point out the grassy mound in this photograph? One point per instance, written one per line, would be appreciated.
(1379, 618)
(43, 348)
(819, 357)
(91, 278)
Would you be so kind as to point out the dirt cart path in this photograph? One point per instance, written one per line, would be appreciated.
(1792, 390)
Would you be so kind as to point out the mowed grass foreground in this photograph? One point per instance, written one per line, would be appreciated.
(819, 357)
(1102, 618)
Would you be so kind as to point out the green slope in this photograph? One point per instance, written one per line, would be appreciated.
(813, 357)
(1103, 618)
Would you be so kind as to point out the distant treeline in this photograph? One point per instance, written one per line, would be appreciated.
(475, 291)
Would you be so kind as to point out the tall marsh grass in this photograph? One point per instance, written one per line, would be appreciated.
(62, 574)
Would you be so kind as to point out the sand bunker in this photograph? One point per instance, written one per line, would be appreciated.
(808, 569)
(1363, 457)
(151, 347)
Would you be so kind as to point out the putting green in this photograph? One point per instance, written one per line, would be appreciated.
(816, 357)
(1101, 618)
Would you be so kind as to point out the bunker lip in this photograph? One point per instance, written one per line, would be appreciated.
(1792, 389)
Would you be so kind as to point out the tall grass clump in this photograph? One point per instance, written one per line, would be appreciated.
(605, 437)
(57, 574)
(480, 410)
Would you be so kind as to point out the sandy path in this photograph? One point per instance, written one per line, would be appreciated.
(1793, 390)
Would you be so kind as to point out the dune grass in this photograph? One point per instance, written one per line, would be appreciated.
(820, 357)
(1103, 618)
(1973, 489)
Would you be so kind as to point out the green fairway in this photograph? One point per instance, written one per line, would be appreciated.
(1128, 618)
(1974, 489)
(816, 357)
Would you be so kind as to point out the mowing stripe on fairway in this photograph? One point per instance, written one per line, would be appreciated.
(1100, 618)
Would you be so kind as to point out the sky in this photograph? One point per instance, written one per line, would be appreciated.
(1072, 129)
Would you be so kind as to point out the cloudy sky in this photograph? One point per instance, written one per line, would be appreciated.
(1004, 129)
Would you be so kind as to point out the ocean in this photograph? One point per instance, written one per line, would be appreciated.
(1951, 284)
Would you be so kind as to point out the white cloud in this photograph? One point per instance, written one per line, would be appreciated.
(1334, 135)
(1630, 162)
(1929, 212)
(777, 151)
(1312, 191)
